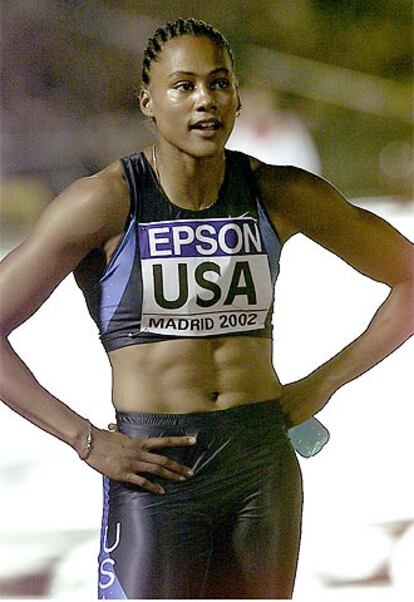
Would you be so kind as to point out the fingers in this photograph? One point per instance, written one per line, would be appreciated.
(166, 466)
(144, 483)
(156, 469)
(143, 445)
(123, 458)
(168, 442)
(161, 471)
(159, 465)
(160, 441)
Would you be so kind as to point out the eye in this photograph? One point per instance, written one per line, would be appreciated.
(185, 86)
(221, 83)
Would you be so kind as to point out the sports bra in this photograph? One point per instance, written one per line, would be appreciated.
(179, 273)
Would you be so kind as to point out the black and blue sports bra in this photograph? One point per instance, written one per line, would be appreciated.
(179, 273)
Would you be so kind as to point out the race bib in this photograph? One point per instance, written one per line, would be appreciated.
(204, 277)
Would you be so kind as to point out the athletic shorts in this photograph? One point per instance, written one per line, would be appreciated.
(230, 531)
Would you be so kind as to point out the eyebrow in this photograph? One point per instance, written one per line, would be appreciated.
(180, 73)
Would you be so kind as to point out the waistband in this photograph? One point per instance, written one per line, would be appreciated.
(251, 414)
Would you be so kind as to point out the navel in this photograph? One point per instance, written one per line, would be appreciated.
(214, 395)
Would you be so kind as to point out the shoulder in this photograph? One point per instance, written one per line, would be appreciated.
(98, 203)
(308, 203)
(288, 178)
(83, 216)
(107, 187)
(300, 201)
(281, 190)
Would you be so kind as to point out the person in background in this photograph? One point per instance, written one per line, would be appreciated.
(271, 134)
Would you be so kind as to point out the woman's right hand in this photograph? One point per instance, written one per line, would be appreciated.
(123, 458)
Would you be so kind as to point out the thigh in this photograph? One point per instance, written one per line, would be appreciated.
(152, 546)
(257, 550)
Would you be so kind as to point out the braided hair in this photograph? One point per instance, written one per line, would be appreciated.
(174, 29)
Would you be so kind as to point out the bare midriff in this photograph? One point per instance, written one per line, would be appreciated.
(190, 375)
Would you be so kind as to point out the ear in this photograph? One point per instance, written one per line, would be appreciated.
(145, 102)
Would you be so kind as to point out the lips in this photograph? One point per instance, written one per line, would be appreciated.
(206, 125)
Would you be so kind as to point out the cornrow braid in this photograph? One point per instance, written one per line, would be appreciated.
(174, 29)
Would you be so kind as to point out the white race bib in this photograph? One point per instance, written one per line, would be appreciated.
(204, 277)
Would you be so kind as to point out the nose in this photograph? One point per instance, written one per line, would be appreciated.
(205, 100)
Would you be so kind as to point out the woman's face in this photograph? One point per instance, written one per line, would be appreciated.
(192, 95)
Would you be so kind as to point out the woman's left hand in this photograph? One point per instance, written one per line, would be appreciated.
(303, 398)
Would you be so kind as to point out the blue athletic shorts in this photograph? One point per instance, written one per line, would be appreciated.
(230, 531)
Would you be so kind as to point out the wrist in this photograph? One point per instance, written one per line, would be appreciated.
(325, 381)
(86, 450)
(82, 440)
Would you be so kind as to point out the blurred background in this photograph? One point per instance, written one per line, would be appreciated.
(326, 85)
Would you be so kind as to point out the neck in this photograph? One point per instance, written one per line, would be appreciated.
(189, 182)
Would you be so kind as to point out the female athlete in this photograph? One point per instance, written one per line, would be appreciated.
(176, 250)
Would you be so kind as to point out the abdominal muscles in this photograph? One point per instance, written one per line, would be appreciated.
(190, 375)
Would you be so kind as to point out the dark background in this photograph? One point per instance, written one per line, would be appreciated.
(70, 71)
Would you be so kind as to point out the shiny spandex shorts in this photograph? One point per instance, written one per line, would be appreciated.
(230, 531)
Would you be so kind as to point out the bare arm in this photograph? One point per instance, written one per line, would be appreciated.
(83, 217)
(73, 224)
(310, 205)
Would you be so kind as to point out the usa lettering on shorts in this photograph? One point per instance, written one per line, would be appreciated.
(204, 276)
